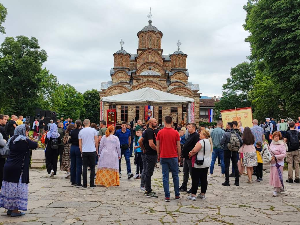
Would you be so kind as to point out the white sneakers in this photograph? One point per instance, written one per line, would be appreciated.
(201, 196)
(193, 198)
(275, 194)
(52, 173)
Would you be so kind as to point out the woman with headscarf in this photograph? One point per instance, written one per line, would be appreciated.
(14, 192)
(52, 141)
(109, 155)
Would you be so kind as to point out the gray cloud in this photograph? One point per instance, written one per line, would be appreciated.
(80, 37)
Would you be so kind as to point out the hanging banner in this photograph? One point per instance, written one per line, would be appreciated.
(243, 115)
(210, 115)
(191, 112)
(111, 117)
(148, 112)
(101, 111)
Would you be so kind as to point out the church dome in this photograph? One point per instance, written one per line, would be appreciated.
(150, 28)
(122, 51)
(178, 53)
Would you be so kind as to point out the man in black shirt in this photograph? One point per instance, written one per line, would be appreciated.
(148, 143)
(3, 121)
(293, 154)
(11, 125)
(190, 143)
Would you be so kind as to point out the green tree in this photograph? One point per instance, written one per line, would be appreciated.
(266, 98)
(91, 105)
(67, 101)
(21, 62)
(275, 39)
(47, 93)
(236, 90)
(3, 13)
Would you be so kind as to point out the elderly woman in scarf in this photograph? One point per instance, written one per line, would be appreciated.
(14, 192)
(52, 141)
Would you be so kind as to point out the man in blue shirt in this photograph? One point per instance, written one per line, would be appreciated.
(124, 136)
(218, 151)
(258, 132)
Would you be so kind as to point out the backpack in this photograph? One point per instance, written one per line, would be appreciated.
(54, 143)
(234, 144)
(293, 143)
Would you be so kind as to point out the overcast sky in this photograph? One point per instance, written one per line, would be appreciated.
(80, 37)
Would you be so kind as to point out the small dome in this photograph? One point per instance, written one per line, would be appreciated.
(122, 51)
(178, 53)
(149, 28)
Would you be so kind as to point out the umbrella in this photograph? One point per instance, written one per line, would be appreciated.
(278, 170)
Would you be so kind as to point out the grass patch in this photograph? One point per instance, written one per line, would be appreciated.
(244, 206)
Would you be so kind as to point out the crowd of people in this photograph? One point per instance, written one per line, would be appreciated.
(84, 145)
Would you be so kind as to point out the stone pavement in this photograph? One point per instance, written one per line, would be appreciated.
(55, 201)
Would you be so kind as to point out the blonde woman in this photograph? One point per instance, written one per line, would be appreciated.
(108, 163)
(201, 161)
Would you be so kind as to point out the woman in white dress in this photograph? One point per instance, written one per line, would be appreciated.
(108, 163)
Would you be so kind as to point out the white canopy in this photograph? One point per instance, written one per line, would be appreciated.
(147, 95)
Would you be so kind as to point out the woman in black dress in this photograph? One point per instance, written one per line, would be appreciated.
(14, 192)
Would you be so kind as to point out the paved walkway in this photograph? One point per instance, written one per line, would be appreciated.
(55, 201)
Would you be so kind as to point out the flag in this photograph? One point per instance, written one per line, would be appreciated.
(148, 112)
(210, 115)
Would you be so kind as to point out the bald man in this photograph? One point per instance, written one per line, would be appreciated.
(258, 132)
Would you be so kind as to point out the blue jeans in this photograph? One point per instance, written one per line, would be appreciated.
(167, 165)
(218, 152)
(126, 153)
(76, 165)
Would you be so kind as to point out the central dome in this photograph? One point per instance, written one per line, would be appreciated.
(149, 28)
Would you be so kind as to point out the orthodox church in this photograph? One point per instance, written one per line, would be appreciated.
(149, 84)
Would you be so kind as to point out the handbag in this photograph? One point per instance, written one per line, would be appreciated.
(201, 162)
(4, 151)
(266, 155)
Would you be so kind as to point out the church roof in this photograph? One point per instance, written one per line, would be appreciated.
(149, 28)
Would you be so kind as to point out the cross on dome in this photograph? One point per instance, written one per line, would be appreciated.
(178, 44)
(122, 43)
(150, 15)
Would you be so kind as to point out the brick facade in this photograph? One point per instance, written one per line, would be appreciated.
(150, 68)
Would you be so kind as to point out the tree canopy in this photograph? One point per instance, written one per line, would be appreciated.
(236, 90)
(275, 40)
(270, 82)
(21, 75)
(3, 13)
(91, 105)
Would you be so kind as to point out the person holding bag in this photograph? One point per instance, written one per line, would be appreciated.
(201, 160)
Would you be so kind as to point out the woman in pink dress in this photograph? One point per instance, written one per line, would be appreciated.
(108, 163)
(278, 151)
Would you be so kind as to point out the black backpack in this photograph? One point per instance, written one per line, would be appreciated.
(54, 143)
(293, 143)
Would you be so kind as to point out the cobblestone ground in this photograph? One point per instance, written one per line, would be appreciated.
(55, 201)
